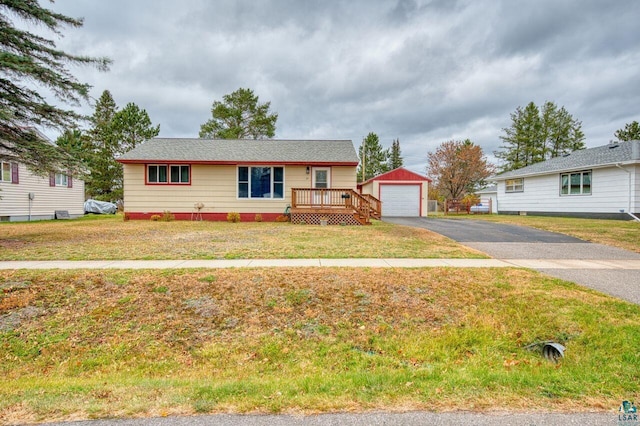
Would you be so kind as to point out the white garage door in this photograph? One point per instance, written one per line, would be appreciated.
(400, 200)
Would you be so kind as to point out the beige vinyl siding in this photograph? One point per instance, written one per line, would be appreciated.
(14, 200)
(343, 177)
(217, 188)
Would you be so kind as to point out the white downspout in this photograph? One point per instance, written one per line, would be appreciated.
(618, 165)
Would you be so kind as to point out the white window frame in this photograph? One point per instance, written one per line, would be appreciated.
(5, 172)
(272, 183)
(62, 180)
(582, 185)
(514, 185)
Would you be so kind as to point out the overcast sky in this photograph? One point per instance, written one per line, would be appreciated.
(421, 71)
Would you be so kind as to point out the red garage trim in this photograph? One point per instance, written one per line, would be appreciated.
(399, 174)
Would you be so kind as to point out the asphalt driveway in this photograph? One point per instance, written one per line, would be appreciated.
(465, 231)
(503, 241)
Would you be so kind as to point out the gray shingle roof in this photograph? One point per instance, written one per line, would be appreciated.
(600, 156)
(243, 151)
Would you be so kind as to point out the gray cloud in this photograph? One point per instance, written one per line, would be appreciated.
(421, 71)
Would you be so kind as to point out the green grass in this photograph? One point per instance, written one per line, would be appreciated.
(110, 238)
(109, 343)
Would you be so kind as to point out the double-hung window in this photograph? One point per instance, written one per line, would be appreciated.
(261, 182)
(5, 172)
(514, 185)
(62, 180)
(174, 174)
(575, 183)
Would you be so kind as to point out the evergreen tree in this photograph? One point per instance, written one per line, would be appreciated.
(27, 58)
(240, 116)
(132, 126)
(631, 132)
(113, 133)
(395, 156)
(104, 142)
(373, 159)
(539, 134)
(78, 145)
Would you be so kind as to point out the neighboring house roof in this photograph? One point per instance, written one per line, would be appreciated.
(488, 190)
(243, 151)
(601, 156)
(398, 174)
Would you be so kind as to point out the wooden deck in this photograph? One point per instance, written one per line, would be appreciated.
(338, 206)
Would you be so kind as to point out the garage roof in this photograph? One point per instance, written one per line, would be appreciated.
(399, 174)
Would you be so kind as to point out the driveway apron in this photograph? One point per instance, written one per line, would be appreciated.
(503, 241)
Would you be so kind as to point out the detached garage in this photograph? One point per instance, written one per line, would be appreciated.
(402, 192)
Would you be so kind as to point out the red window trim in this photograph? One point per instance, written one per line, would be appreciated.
(168, 182)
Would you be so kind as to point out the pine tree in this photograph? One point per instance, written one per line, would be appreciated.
(114, 132)
(395, 156)
(631, 132)
(240, 116)
(28, 58)
(104, 142)
(537, 135)
(373, 159)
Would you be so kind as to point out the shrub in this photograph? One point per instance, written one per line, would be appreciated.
(233, 217)
(282, 218)
(258, 217)
(155, 217)
(167, 216)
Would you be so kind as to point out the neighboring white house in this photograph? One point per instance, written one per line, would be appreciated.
(489, 198)
(601, 182)
(26, 196)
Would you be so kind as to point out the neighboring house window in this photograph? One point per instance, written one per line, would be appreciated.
(5, 172)
(577, 183)
(168, 174)
(514, 185)
(60, 179)
(261, 182)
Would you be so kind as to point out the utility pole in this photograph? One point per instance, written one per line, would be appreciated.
(364, 156)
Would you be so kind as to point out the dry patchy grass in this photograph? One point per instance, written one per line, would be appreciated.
(83, 344)
(110, 238)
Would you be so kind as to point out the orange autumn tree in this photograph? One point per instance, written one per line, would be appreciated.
(458, 168)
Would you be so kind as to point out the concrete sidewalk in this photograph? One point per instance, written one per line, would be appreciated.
(540, 264)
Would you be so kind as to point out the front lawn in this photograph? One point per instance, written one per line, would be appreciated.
(90, 344)
(110, 238)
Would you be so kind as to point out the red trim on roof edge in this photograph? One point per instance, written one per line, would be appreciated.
(400, 173)
(235, 163)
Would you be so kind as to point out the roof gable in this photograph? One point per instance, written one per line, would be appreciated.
(399, 174)
(237, 151)
(601, 156)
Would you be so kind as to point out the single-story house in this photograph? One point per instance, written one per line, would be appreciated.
(488, 199)
(601, 182)
(401, 191)
(207, 179)
(26, 196)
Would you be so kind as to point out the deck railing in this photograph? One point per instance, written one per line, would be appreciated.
(335, 198)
